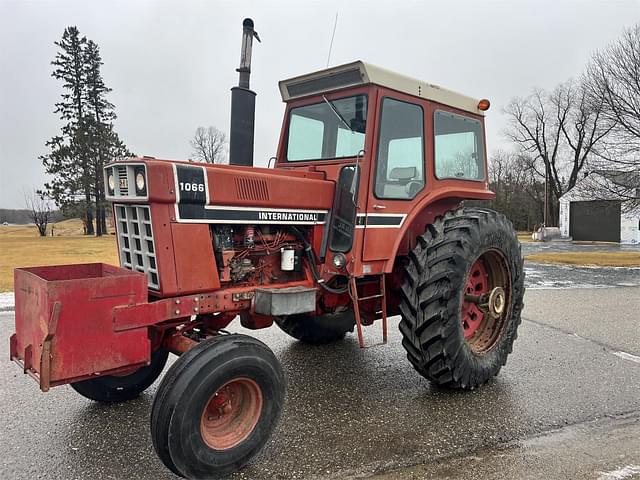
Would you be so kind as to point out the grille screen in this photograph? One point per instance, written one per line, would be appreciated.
(122, 181)
(322, 84)
(135, 241)
(251, 188)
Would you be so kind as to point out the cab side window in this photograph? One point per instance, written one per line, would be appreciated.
(400, 162)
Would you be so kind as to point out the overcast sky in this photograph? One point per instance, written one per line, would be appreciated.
(171, 64)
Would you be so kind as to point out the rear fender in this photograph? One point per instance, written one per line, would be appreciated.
(424, 212)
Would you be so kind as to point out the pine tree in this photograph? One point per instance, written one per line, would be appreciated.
(106, 145)
(87, 139)
(100, 114)
(67, 161)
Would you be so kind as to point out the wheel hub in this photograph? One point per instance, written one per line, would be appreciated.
(231, 414)
(497, 301)
(485, 301)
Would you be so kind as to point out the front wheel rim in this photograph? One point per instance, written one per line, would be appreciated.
(485, 301)
(231, 414)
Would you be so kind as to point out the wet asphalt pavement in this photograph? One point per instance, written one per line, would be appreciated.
(548, 276)
(571, 388)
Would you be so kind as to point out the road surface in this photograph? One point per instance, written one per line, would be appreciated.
(567, 405)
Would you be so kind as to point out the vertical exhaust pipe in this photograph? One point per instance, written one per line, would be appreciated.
(243, 104)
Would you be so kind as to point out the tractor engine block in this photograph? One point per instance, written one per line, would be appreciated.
(253, 255)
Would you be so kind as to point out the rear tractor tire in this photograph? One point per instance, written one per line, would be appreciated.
(121, 388)
(462, 298)
(317, 330)
(217, 406)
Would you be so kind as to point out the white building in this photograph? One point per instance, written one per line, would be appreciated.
(601, 207)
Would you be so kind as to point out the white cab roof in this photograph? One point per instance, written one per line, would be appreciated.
(360, 73)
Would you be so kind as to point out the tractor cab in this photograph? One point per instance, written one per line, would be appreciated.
(393, 145)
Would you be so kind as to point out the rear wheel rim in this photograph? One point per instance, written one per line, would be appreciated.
(231, 414)
(486, 296)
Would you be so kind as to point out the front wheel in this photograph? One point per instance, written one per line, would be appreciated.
(121, 388)
(462, 298)
(217, 406)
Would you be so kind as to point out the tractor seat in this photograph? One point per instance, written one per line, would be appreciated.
(399, 178)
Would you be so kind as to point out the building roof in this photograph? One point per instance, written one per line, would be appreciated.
(605, 185)
(361, 73)
(622, 178)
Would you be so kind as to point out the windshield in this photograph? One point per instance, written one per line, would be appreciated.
(320, 132)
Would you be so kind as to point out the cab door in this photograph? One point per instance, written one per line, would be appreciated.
(397, 173)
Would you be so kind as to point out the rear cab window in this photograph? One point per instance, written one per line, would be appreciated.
(458, 147)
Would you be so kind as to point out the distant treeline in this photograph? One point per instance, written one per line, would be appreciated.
(22, 217)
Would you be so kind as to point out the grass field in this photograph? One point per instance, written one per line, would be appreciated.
(600, 259)
(524, 237)
(20, 246)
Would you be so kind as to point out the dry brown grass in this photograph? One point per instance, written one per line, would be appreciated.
(20, 246)
(524, 237)
(600, 259)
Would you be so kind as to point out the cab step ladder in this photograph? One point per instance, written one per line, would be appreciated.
(353, 292)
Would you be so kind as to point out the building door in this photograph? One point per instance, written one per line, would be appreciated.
(595, 221)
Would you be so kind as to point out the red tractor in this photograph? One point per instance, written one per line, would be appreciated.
(359, 219)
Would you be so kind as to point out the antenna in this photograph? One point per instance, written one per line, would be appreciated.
(335, 24)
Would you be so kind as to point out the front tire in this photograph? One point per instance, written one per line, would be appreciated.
(462, 298)
(317, 330)
(115, 388)
(217, 406)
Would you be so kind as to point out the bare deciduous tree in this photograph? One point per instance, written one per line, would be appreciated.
(612, 80)
(558, 130)
(519, 191)
(39, 209)
(209, 145)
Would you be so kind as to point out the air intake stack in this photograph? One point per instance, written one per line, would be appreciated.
(243, 104)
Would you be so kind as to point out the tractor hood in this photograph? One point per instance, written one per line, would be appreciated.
(205, 193)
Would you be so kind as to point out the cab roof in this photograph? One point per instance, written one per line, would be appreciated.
(361, 73)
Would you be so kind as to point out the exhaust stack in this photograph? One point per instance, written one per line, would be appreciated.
(243, 104)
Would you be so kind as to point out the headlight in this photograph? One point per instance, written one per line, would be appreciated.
(140, 182)
(339, 260)
(111, 182)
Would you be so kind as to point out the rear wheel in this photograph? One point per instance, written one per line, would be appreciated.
(121, 388)
(317, 330)
(217, 406)
(462, 298)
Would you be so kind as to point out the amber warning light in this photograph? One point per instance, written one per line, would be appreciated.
(484, 105)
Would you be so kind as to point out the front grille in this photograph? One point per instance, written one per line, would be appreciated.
(122, 181)
(135, 241)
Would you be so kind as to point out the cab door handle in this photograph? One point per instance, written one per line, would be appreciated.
(379, 207)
